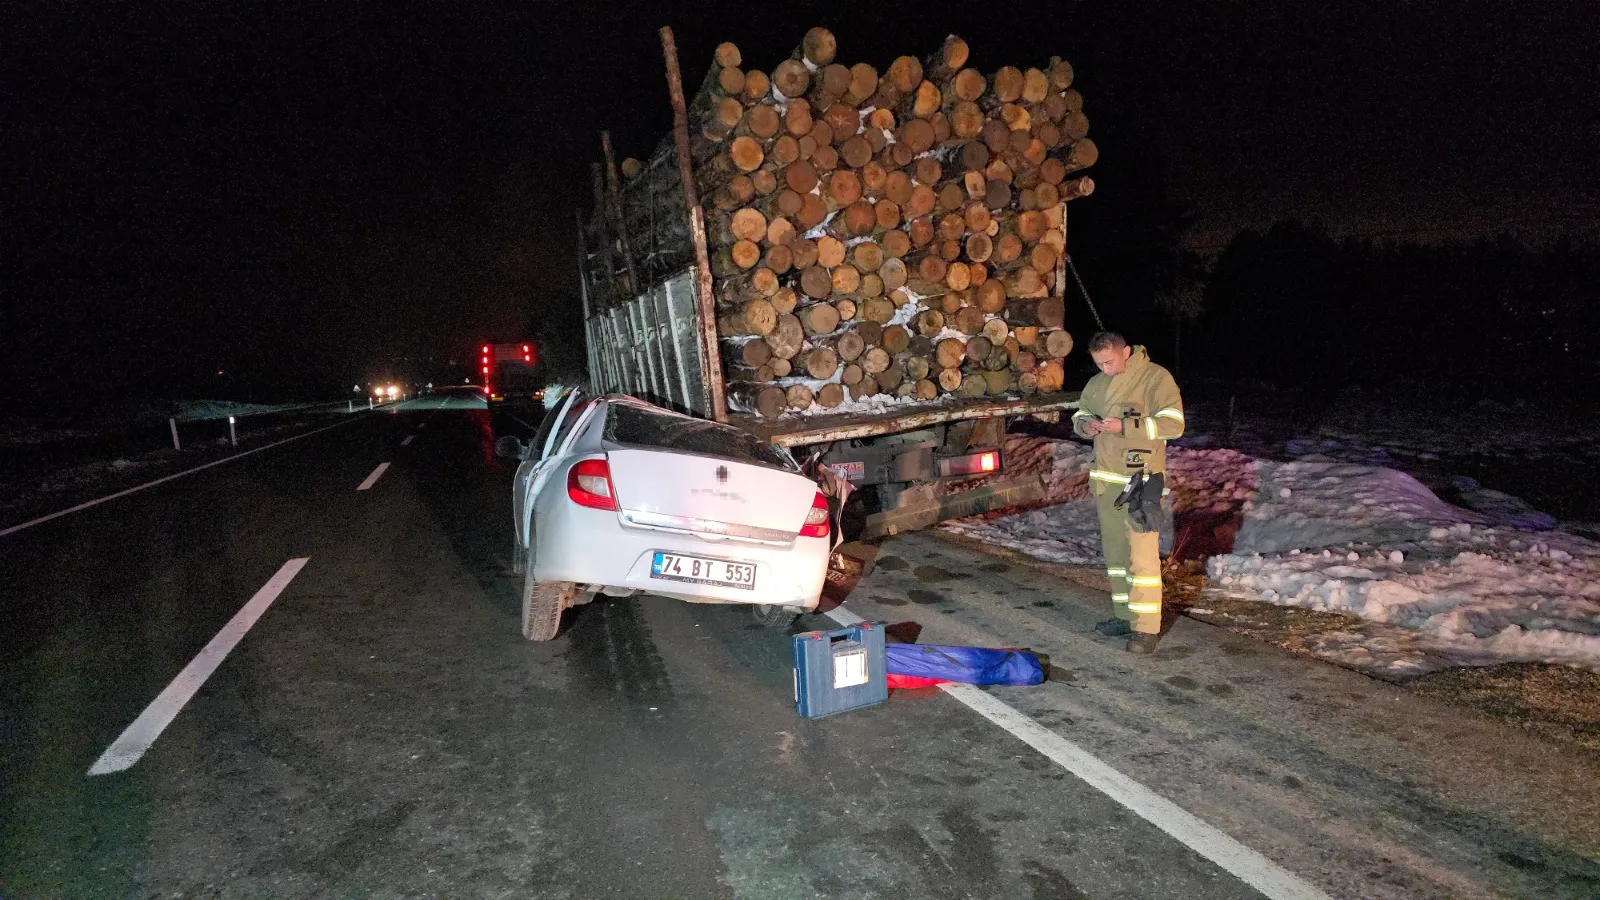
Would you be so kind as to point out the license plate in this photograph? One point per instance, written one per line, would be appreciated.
(699, 570)
(850, 471)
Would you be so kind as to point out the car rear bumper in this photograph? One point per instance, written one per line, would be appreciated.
(593, 547)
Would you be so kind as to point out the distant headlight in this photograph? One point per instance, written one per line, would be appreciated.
(393, 391)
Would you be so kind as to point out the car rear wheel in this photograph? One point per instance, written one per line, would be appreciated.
(774, 616)
(542, 603)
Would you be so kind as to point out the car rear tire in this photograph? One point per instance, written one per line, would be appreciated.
(542, 603)
(774, 616)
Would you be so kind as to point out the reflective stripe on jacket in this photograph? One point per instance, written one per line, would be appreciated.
(1146, 399)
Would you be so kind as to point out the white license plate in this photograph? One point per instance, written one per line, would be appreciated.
(699, 570)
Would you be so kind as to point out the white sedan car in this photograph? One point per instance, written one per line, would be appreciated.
(617, 497)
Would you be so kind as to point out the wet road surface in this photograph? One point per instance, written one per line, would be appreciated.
(383, 730)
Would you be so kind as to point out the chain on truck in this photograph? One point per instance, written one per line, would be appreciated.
(652, 296)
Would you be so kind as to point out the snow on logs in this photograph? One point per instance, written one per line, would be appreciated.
(893, 232)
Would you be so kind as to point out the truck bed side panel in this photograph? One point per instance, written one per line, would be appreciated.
(648, 347)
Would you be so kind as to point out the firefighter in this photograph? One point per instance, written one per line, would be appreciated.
(1131, 409)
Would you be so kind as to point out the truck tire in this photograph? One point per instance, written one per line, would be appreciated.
(542, 603)
(774, 616)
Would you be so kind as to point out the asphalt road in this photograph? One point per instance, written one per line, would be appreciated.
(383, 730)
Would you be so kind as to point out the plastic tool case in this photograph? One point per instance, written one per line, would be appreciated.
(837, 671)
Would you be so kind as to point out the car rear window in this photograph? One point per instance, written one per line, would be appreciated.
(628, 424)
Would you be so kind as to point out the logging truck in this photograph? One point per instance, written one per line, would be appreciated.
(865, 269)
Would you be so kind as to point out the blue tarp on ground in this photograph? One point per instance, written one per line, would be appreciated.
(970, 665)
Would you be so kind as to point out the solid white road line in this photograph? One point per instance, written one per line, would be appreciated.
(137, 738)
(150, 484)
(409, 439)
(1247, 865)
(373, 478)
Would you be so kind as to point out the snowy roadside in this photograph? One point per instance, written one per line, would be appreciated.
(1427, 585)
(44, 471)
(18, 433)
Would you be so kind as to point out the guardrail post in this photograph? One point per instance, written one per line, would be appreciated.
(233, 436)
(173, 424)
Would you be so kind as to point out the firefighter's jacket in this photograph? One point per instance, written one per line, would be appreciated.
(1146, 399)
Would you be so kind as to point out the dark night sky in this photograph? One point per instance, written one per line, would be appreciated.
(299, 193)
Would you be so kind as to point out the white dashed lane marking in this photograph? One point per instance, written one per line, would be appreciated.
(373, 478)
(138, 737)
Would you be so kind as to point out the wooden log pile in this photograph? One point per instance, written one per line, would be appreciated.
(873, 233)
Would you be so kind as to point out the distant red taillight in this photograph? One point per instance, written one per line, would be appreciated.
(816, 520)
(589, 484)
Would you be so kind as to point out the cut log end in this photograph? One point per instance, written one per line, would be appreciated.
(800, 397)
(831, 396)
(819, 46)
(771, 402)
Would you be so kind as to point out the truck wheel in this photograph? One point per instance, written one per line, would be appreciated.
(542, 603)
(774, 616)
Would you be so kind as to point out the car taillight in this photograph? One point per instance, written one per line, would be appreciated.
(816, 520)
(589, 484)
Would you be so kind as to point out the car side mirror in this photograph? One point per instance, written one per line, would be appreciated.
(508, 447)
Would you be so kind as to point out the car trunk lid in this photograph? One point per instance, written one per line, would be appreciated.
(709, 496)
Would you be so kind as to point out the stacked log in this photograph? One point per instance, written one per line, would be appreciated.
(893, 234)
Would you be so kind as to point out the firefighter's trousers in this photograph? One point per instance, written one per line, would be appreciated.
(1133, 563)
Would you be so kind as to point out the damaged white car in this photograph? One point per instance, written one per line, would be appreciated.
(617, 497)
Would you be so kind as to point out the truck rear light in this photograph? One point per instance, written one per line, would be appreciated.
(984, 463)
(816, 520)
(589, 484)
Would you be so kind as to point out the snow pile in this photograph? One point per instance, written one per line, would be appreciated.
(1364, 541)
(1307, 505)
(1474, 594)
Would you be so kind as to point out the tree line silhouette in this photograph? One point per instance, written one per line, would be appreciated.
(1297, 306)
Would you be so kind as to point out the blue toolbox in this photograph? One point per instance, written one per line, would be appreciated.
(837, 671)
